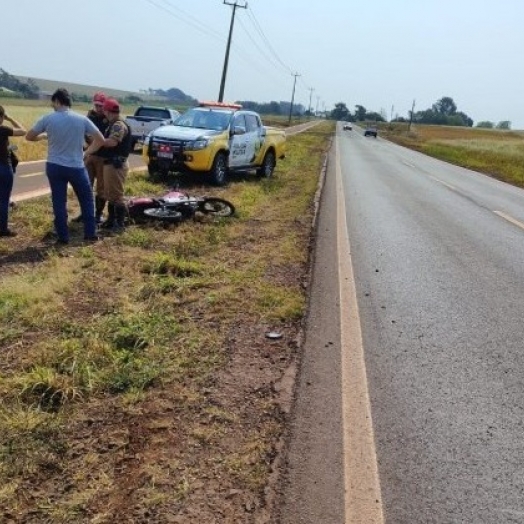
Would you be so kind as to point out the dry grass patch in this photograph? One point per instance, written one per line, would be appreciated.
(141, 366)
(497, 153)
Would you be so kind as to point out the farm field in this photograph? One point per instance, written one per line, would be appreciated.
(27, 112)
(497, 153)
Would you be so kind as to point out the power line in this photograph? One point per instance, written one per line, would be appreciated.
(187, 18)
(259, 30)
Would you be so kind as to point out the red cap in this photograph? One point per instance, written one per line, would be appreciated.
(99, 97)
(111, 105)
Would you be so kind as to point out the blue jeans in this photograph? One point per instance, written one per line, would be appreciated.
(59, 177)
(6, 186)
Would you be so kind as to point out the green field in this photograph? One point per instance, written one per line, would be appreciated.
(497, 153)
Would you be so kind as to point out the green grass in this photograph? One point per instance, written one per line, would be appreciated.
(497, 153)
(118, 345)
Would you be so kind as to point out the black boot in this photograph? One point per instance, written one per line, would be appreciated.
(120, 218)
(110, 220)
(100, 203)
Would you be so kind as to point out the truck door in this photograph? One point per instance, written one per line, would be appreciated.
(238, 143)
(254, 138)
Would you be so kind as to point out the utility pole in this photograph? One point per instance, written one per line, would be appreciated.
(228, 47)
(316, 110)
(292, 98)
(310, 95)
(411, 116)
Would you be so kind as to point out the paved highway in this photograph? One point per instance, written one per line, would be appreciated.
(410, 398)
(30, 179)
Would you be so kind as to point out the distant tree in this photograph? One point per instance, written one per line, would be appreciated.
(360, 113)
(445, 106)
(504, 124)
(486, 124)
(174, 95)
(459, 119)
(80, 97)
(341, 112)
(443, 112)
(27, 89)
(374, 117)
(132, 99)
(271, 108)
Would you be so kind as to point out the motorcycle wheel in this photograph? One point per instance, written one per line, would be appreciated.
(164, 214)
(217, 207)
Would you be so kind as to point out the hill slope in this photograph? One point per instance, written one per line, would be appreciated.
(51, 85)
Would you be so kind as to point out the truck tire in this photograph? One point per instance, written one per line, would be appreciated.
(268, 165)
(218, 173)
(155, 172)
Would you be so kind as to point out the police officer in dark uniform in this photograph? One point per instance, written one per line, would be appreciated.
(95, 163)
(115, 152)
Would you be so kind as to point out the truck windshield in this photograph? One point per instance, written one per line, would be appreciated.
(217, 120)
(153, 112)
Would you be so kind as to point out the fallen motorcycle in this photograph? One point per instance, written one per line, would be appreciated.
(175, 206)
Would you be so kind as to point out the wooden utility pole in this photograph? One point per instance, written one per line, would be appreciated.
(311, 89)
(228, 47)
(292, 98)
(411, 116)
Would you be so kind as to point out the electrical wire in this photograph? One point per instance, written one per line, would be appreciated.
(266, 51)
(187, 18)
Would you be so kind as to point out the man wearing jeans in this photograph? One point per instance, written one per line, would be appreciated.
(65, 131)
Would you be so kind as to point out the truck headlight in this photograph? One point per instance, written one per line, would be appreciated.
(197, 145)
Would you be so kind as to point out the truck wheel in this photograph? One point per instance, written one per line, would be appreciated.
(152, 169)
(218, 173)
(155, 172)
(268, 165)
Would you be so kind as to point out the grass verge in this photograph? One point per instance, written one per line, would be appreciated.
(138, 384)
(497, 153)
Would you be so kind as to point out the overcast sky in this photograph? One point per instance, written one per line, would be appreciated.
(382, 54)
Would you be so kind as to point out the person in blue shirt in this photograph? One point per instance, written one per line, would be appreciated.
(65, 132)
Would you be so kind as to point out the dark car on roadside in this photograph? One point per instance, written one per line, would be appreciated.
(371, 131)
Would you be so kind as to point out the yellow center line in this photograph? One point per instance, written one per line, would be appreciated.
(363, 500)
(510, 219)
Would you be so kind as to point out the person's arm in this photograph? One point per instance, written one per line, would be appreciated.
(96, 142)
(33, 136)
(18, 129)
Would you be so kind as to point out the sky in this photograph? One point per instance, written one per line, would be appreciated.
(385, 55)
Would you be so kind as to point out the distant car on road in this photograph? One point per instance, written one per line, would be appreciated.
(371, 131)
(347, 127)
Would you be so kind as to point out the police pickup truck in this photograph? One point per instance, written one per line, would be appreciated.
(148, 118)
(214, 139)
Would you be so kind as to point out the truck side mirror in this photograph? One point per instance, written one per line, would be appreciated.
(239, 130)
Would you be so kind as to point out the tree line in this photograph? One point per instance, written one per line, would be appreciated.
(444, 112)
(22, 89)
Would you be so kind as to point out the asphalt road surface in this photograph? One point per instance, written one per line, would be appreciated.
(409, 404)
(30, 179)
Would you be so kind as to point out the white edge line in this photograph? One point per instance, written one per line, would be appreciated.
(363, 500)
(510, 219)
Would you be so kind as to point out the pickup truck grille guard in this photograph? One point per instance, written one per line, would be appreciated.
(176, 147)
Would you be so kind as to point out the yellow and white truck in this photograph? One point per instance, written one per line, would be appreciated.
(214, 139)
